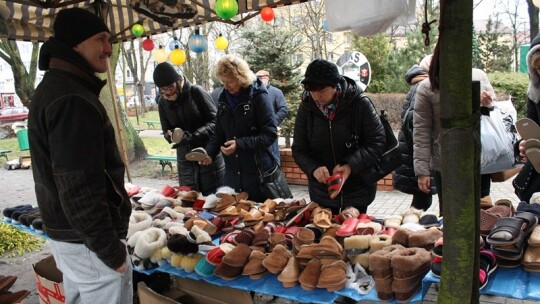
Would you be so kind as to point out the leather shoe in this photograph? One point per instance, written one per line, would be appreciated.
(6, 282)
(14, 297)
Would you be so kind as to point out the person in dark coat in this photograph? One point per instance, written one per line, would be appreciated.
(278, 104)
(77, 168)
(190, 111)
(403, 177)
(323, 137)
(245, 126)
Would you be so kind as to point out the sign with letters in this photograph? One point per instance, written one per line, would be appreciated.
(355, 65)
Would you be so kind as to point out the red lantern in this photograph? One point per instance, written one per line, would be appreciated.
(148, 44)
(267, 14)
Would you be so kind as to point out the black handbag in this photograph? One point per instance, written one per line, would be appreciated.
(273, 183)
(391, 157)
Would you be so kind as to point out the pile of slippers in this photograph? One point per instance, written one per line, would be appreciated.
(7, 296)
(25, 215)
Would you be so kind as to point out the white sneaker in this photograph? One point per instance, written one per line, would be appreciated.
(178, 135)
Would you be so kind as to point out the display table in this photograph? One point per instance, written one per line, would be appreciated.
(269, 284)
(504, 282)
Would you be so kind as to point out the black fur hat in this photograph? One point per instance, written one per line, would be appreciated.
(74, 25)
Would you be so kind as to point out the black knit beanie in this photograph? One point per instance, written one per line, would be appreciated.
(74, 25)
(321, 72)
(165, 74)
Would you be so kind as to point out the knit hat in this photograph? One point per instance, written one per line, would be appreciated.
(165, 74)
(74, 25)
(321, 72)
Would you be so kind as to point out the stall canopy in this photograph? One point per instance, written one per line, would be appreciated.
(31, 20)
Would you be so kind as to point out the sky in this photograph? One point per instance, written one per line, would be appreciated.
(486, 8)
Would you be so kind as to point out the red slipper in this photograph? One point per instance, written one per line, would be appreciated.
(348, 227)
(335, 183)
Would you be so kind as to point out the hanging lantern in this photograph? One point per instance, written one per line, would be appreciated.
(177, 56)
(174, 43)
(160, 55)
(325, 25)
(226, 9)
(137, 29)
(267, 14)
(536, 3)
(148, 44)
(197, 42)
(221, 42)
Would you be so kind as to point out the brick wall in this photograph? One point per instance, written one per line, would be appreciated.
(295, 176)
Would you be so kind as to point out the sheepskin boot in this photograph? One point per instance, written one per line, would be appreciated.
(310, 275)
(401, 237)
(409, 266)
(277, 259)
(425, 238)
(380, 266)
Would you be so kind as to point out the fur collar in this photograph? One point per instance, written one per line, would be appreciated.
(533, 91)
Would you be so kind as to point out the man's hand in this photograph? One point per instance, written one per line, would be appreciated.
(122, 268)
(229, 147)
(424, 183)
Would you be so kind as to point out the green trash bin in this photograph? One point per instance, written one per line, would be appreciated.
(22, 137)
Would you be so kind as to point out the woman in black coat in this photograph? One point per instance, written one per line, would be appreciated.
(332, 109)
(191, 109)
(245, 123)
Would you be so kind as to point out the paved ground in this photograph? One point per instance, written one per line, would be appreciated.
(17, 188)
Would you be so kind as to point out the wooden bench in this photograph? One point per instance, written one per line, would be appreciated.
(164, 160)
(3, 153)
(152, 123)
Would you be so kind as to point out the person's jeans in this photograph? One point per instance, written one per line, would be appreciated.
(87, 279)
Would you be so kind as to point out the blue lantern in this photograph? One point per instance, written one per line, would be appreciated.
(197, 42)
(174, 43)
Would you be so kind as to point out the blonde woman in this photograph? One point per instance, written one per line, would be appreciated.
(245, 123)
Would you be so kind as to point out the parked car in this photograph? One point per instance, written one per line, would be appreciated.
(13, 114)
(148, 101)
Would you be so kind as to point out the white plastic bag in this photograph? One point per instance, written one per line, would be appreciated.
(497, 142)
(368, 17)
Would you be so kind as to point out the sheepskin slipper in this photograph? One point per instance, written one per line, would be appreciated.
(429, 219)
(189, 261)
(150, 240)
(357, 244)
(210, 202)
(204, 268)
(227, 272)
(225, 200)
(303, 236)
(139, 220)
(328, 247)
(268, 206)
(176, 229)
(425, 239)
(245, 237)
(238, 257)
(411, 216)
(393, 221)
(362, 259)
(409, 265)
(310, 275)
(179, 244)
(379, 242)
(289, 276)
(201, 236)
(401, 237)
(254, 267)
(261, 238)
(276, 238)
(333, 276)
(380, 266)
(277, 259)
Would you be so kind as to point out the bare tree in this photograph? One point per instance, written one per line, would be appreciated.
(510, 8)
(533, 19)
(24, 79)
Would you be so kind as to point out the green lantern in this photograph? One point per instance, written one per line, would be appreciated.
(137, 29)
(226, 9)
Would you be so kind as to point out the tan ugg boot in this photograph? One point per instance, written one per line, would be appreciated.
(409, 265)
(380, 266)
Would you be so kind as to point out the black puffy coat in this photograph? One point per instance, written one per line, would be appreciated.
(404, 178)
(251, 124)
(195, 112)
(319, 141)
